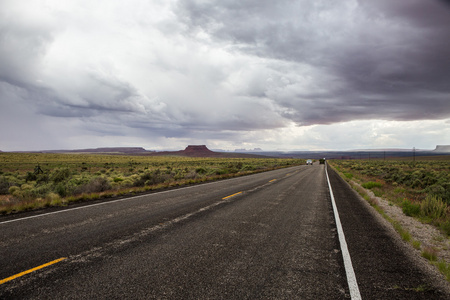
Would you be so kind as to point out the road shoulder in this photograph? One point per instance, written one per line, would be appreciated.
(359, 221)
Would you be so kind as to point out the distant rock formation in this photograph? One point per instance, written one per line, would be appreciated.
(203, 151)
(197, 149)
(442, 148)
(104, 150)
(115, 149)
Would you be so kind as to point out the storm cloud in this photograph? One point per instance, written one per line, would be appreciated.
(224, 73)
(341, 61)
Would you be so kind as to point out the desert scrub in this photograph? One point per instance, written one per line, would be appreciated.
(444, 268)
(117, 179)
(371, 185)
(60, 175)
(429, 253)
(349, 176)
(421, 189)
(410, 209)
(433, 207)
(4, 186)
(416, 244)
(95, 185)
(424, 177)
(84, 177)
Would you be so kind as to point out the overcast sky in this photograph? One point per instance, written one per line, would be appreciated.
(285, 74)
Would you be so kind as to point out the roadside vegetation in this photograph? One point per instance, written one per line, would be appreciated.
(420, 188)
(33, 181)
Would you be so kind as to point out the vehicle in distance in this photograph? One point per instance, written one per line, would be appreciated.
(309, 162)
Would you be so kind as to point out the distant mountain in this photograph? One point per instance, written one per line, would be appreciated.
(245, 150)
(203, 151)
(189, 151)
(442, 148)
(104, 150)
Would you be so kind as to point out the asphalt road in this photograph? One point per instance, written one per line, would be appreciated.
(266, 236)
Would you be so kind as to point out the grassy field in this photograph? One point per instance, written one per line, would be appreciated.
(421, 187)
(35, 180)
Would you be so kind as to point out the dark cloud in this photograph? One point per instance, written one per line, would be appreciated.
(221, 70)
(375, 59)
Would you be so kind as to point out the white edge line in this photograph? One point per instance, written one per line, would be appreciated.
(110, 202)
(351, 277)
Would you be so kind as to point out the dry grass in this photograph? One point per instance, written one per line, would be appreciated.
(69, 178)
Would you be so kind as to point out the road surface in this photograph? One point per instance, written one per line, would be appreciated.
(271, 235)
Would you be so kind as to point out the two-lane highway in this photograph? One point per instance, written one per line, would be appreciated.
(269, 235)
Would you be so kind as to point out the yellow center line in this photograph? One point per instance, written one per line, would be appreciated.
(32, 270)
(231, 196)
(272, 180)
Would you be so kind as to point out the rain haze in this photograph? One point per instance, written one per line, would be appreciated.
(276, 75)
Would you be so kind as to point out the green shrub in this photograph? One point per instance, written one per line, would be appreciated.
(441, 189)
(26, 186)
(436, 189)
(445, 226)
(13, 190)
(127, 183)
(95, 185)
(30, 177)
(416, 244)
(61, 189)
(444, 268)
(4, 186)
(405, 235)
(430, 253)
(399, 190)
(348, 175)
(417, 184)
(378, 192)
(221, 171)
(60, 175)
(200, 170)
(248, 168)
(371, 185)
(42, 178)
(433, 207)
(53, 199)
(151, 178)
(41, 190)
(410, 209)
(191, 175)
